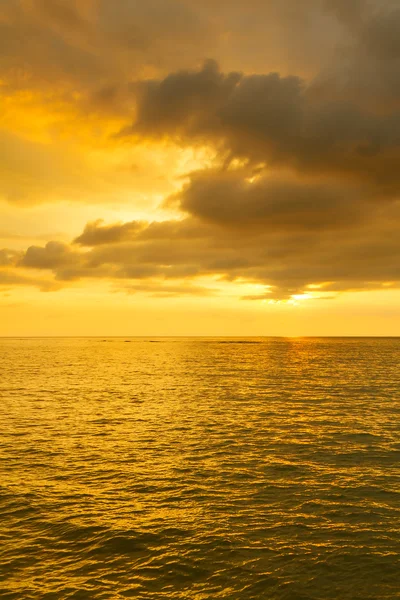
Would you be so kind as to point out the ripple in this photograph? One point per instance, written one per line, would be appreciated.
(200, 469)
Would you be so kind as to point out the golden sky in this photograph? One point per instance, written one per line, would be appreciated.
(176, 167)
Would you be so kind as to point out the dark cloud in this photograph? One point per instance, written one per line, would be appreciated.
(95, 46)
(82, 45)
(40, 48)
(93, 55)
(271, 119)
(96, 234)
(68, 15)
(272, 203)
(90, 45)
(52, 256)
(308, 181)
(381, 35)
(351, 14)
(366, 71)
(184, 103)
(288, 256)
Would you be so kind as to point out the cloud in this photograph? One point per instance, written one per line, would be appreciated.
(300, 109)
(10, 278)
(77, 45)
(82, 49)
(53, 256)
(366, 69)
(274, 203)
(373, 26)
(273, 120)
(96, 234)
(80, 69)
(284, 244)
(42, 45)
(78, 48)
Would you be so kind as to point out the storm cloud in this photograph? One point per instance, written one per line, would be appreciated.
(272, 249)
(271, 203)
(299, 120)
(272, 120)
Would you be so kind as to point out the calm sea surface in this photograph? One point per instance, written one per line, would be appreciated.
(200, 468)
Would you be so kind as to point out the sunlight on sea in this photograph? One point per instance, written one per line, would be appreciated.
(200, 468)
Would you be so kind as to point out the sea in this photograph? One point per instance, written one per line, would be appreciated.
(200, 468)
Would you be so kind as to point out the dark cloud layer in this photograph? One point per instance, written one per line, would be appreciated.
(52, 256)
(289, 256)
(86, 46)
(271, 203)
(46, 42)
(273, 120)
(306, 182)
(96, 234)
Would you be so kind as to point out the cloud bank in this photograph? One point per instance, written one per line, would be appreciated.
(303, 189)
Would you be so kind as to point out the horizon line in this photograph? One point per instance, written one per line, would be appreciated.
(366, 336)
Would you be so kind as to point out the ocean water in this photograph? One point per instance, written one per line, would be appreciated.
(200, 468)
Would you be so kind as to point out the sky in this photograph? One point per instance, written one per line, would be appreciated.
(186, 167)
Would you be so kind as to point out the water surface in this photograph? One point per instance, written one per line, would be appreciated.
(200, 468)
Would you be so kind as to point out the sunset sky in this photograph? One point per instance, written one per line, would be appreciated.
(199, 167)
